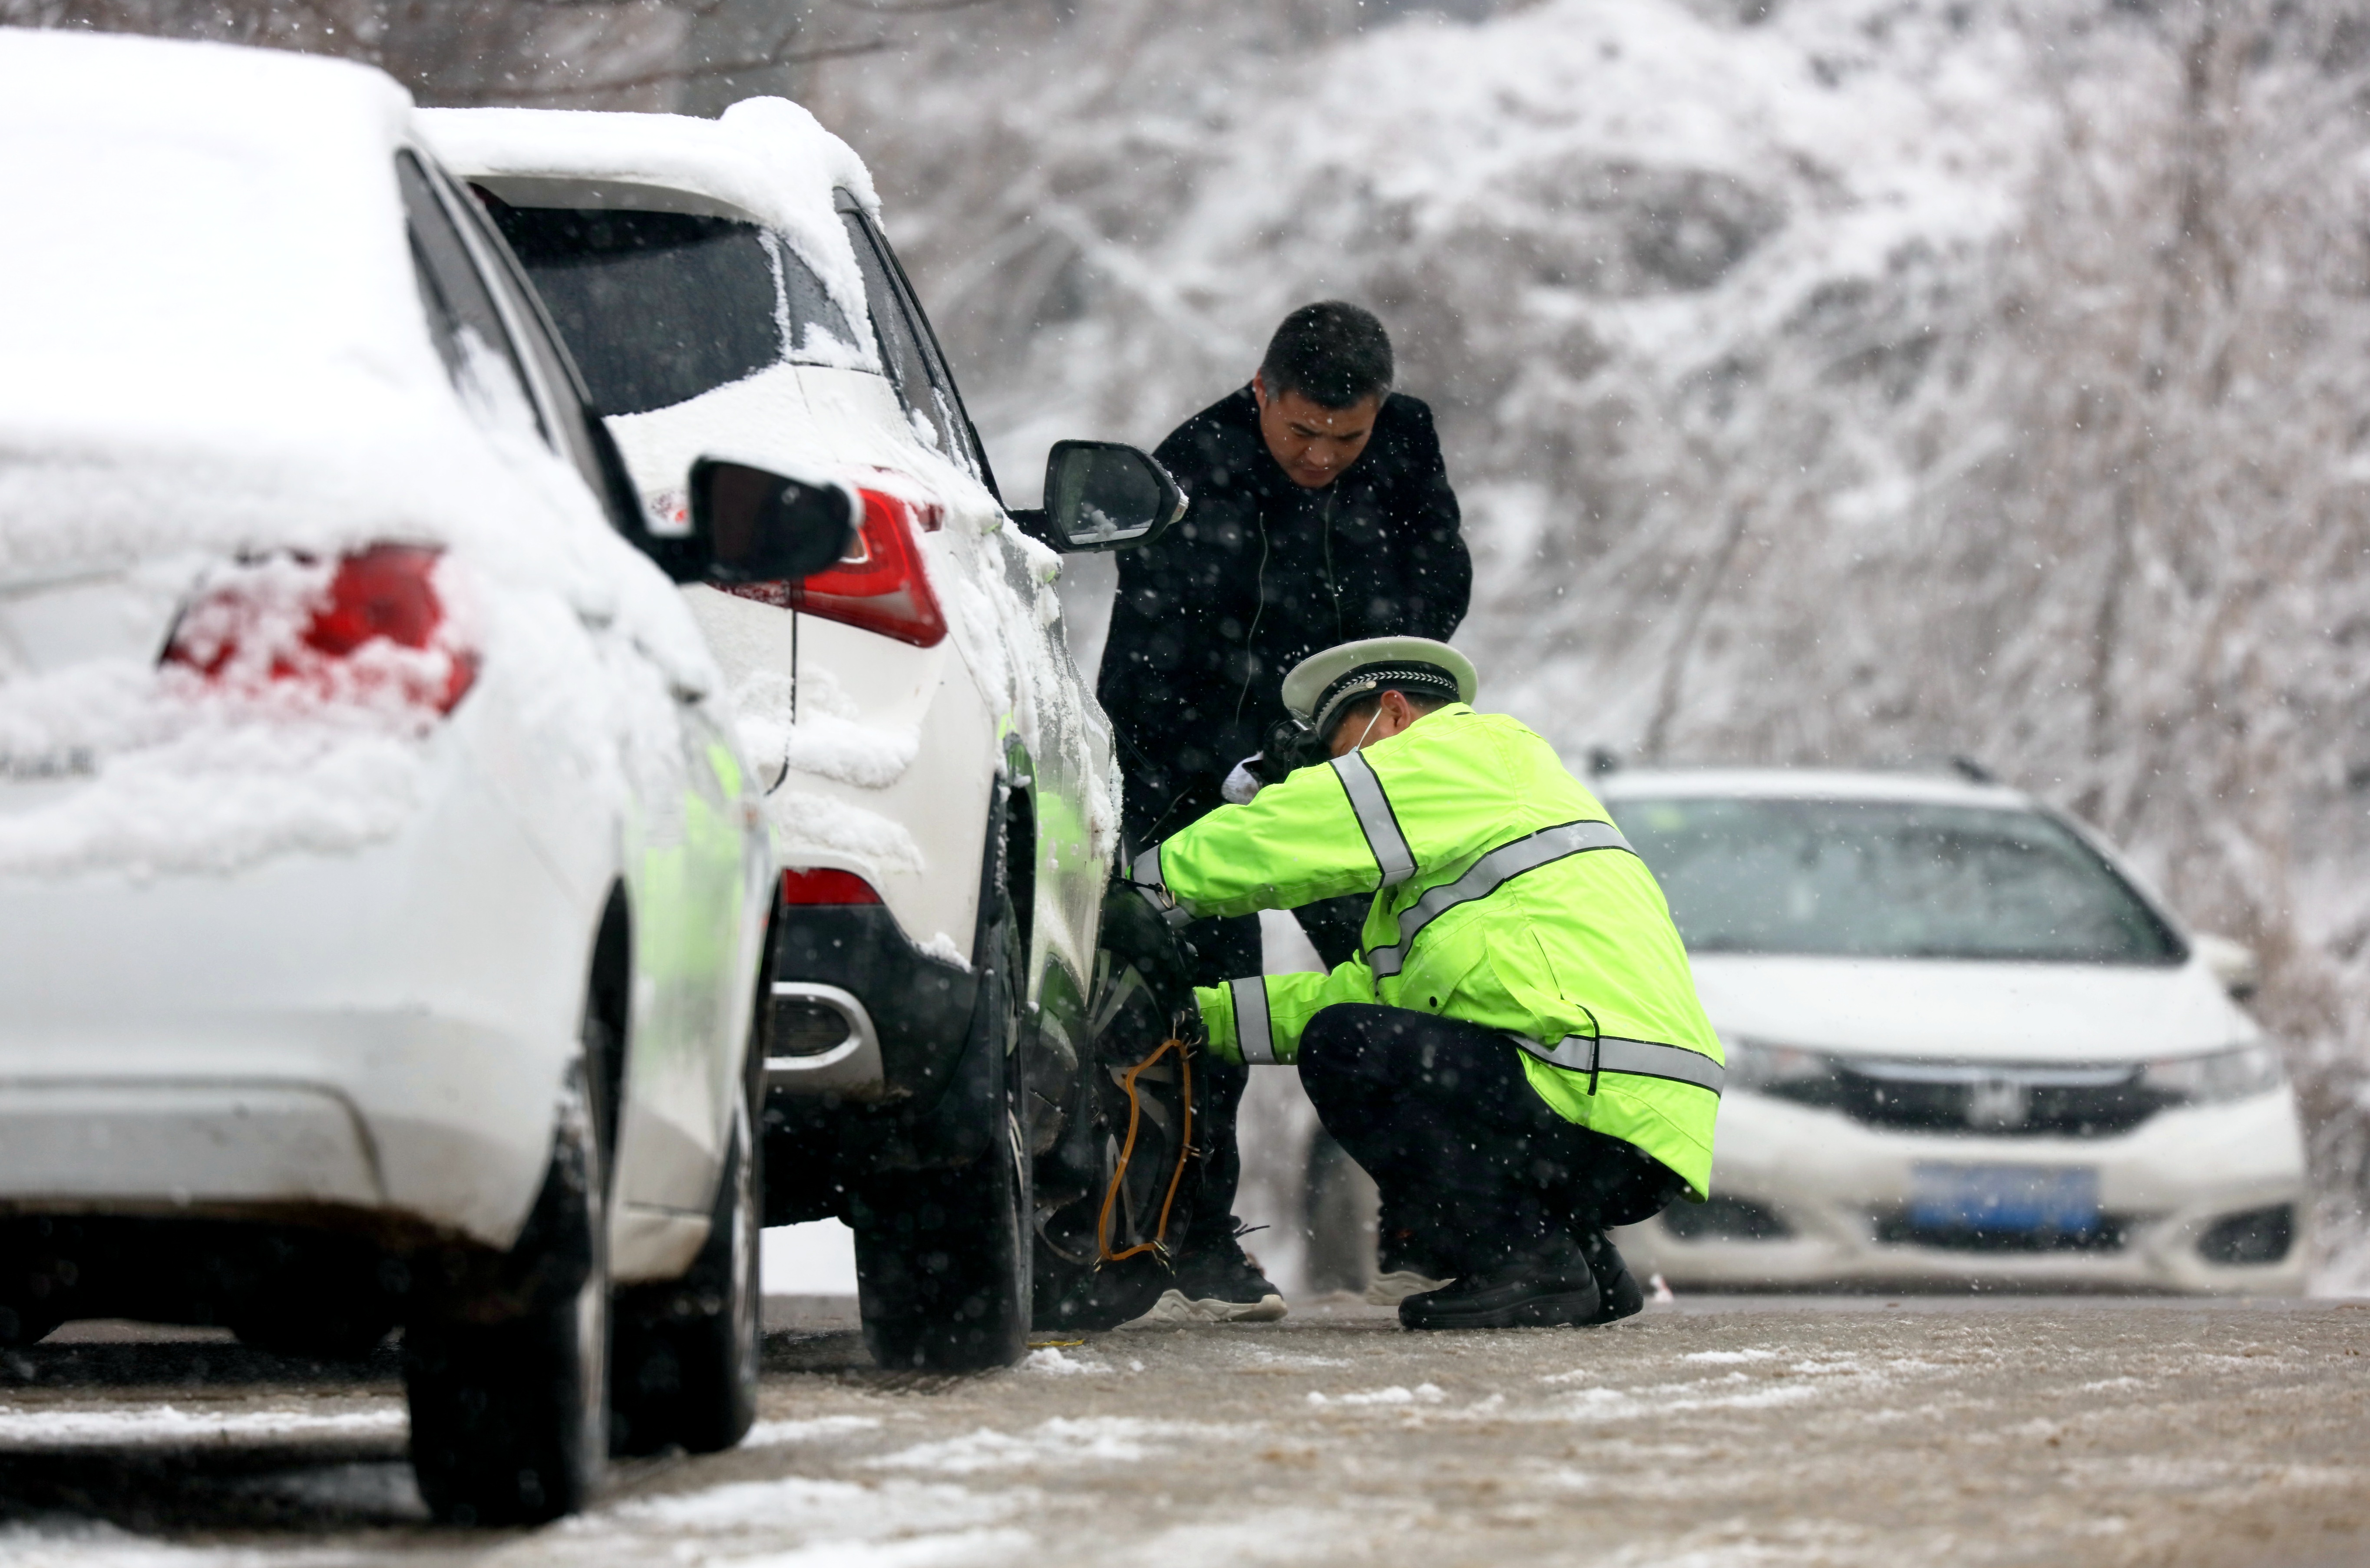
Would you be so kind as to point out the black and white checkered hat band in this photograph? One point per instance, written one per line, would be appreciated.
(1429, 679)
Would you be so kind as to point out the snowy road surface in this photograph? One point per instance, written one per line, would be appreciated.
(1711, 1433)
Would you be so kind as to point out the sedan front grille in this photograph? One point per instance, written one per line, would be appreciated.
(2000, 1101)
(2110, 1234)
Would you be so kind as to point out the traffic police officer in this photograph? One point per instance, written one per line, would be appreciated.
(1517, 1054)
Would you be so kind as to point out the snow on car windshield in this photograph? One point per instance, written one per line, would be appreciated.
(1889, 879)
(659, 307)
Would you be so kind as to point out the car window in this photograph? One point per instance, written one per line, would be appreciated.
(1890, 880)
(449, 266)
(660, 307)
(964, 434)
(907, 348)
(812, 320)
(900, 349)
(460, 308)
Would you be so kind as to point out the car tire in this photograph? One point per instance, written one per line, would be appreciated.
(684, 1366)
(510, 1416)
(942, 1257)
(1144, 986)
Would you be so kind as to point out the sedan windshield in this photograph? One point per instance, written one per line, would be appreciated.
(1890, 880)
(659, 307)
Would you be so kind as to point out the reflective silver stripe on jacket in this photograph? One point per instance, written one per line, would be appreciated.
(1375, 820)
(1143, 874)
(1251, 1031)
(1489, 874)
(1596, 1055)
(1144, 870)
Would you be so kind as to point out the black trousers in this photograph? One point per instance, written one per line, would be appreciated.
(1224, 949)
(1228, 949)
(1475, 1170)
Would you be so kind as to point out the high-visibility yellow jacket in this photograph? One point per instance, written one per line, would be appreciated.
(1503, 896)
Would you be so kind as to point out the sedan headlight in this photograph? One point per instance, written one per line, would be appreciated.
(1787, 1071)
(2217, 1076)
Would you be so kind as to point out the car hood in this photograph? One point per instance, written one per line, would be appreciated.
(1969, 1012)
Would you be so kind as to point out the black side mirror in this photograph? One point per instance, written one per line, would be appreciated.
(751, 526)
(1104, 496)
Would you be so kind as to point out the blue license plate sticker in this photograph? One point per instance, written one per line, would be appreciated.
(2063, 1199)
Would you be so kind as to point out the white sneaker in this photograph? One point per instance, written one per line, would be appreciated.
(1390, 1289)
(1176, 1307)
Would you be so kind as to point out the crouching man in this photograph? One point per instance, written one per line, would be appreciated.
(1516, 1055)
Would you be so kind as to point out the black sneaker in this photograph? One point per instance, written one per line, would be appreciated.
(1529, 1293)
(1217, 1282)
(1618, 1295)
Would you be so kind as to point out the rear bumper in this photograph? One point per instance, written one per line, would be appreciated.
(914, 1006)
(440, 1121)
(1841, 1193)
(927, 1102)
(228, 1143)
(380, 1036)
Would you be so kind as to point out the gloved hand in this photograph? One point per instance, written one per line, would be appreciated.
(1289, 745)
(1142, 875)
(1136, 931)
(1242, 786)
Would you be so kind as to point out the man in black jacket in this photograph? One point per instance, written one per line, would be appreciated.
(1321, 514)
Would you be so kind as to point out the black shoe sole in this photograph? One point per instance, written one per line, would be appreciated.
(1559, 1309)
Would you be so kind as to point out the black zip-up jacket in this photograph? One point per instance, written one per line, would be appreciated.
(1259, 574)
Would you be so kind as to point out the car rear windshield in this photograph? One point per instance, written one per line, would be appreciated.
(1890, 880)
(659, 307)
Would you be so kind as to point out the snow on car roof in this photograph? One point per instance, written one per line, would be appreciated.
(217, 350)
(1806, 783)
(214, 330)
(765, 157)
(199, 209)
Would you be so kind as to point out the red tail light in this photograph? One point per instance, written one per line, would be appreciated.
(822, 884)
(374, 631)
(878, 586)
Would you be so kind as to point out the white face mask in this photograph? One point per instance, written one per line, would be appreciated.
(1368, 730)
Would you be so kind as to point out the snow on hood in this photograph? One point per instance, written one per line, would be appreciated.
(767, 157)
(1969, 1011)
(231, 360)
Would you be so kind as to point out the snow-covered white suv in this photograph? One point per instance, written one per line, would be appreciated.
(937, 773)
(383, 891)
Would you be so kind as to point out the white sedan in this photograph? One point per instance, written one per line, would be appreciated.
(1966, 1046)
(383, 892)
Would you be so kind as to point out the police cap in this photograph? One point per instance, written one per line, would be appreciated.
(1321, 684)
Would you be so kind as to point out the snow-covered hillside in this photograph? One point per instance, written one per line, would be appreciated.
(1833, 380)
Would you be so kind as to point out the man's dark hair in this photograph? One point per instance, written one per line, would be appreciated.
(1333, 353)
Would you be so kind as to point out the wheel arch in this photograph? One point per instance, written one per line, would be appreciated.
(1012, 842)
(609, 1010)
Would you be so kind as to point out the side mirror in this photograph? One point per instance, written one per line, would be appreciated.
(2231, 963)
(1102, 495)
(748, 525)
